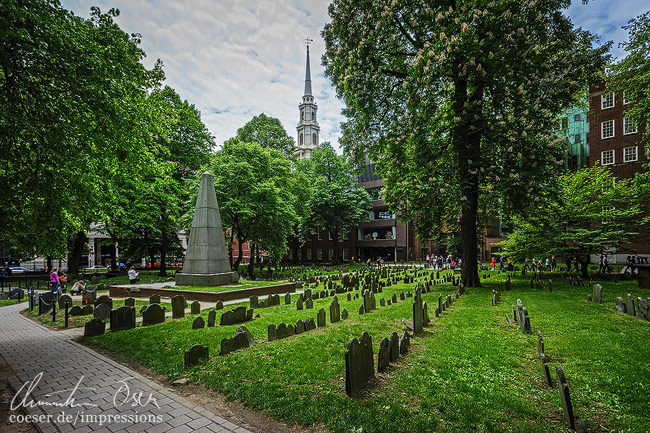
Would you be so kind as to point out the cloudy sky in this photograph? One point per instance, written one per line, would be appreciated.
(235, 59)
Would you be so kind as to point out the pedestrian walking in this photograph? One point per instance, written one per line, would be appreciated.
(3, 275)
(133, 275)
(54, 281)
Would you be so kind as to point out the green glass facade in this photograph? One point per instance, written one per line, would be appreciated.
(574, 126)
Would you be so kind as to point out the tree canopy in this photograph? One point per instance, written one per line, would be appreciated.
(588, 212)
(268, 132)
(456, 101)
(335, 202)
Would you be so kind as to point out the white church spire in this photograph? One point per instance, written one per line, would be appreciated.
(308, 129)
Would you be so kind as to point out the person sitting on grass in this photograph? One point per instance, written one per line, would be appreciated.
(78, 287)
(133, 275)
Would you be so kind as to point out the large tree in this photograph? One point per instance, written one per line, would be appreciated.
(268, 132)
(71, 92)
(456, 101)
(589, 212)
(253, 186)
(335, 201)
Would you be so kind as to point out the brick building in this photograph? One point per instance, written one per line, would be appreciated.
(615, 141)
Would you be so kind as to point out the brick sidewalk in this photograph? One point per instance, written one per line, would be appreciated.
(31, 349)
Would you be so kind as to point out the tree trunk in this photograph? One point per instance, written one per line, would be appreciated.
(114, 257)
(251, 262)
(335, 236)
(467, 143)
(584, 267)
(49, 263)
(240, 248)
(232, 242)
(76, 253)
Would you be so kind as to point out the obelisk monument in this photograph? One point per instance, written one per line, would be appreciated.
(206, 258)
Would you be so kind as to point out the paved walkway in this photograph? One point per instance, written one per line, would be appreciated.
(67, 387)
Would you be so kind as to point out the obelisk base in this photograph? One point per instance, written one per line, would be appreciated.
(222, 279)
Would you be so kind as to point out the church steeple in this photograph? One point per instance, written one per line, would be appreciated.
(308, 129)
(307, 76)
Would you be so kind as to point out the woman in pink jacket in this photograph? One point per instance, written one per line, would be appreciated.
(54, 280)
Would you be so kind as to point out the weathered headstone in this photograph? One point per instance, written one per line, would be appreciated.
(88, 298)
(361, 309)
(154, 299)
(227, 318)
(102, 311)
(95, 326)
(383, 359)
(299, 303)
(620, 306)
(417, 314)
(344, 314)
(320, 318)
(598, 295)
(382, 302)
(394, 347)
(178, 306)
(198, 323)
(153, 314)
(300, 326)
(254, 302)
(87, 309)
(196, 354)
(122, 318)
(540, 344)
(309, 304)
(249, 337)
(287, 299)
(65, 300)
(219, 305)
(195, 308)
(271, 332)
(76, 311)
(310, 324)
(335, 310)
(394, 298)
(239, 314)
(565, 396)
(104, 300)
(547, 374)
(359, 363)
(212, 318)
(629, 303)
(404, 343)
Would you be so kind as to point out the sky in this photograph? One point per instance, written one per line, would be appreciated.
(235, 59)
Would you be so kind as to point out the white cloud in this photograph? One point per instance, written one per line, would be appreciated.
(234, 59)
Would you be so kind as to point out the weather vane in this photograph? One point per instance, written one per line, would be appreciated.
(308, 41)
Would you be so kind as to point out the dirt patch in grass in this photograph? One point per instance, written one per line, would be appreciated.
(233, 411)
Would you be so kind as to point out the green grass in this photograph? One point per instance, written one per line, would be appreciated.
(470, 371)
(79, 321)
(5, 302)
(143, 277)
(238, 286)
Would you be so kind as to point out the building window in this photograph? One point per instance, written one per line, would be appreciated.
(330, 254)
(630, 154)
(319, 254)
(313, 139)
(577, 118)
(607, 101)
(300, 139)
(346, 236)
(313, 115)
(302, 115)
(309, 254)
(290, 254)
(320, 234)
(626, 100)
(346, 254)
(607, 157)
(329, 233)
(629, 126)
(577, 138)
(607, 129)
(299, 254)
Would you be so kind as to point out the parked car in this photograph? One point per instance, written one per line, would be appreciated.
(97, 267)
(18, 270)
(37, 269)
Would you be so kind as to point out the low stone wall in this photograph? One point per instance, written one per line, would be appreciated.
(145, 292)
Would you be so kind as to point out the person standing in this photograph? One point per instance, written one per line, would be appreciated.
(3, 275)
(606, 267)
(369, 265)
(133, 275)
(54, 281)
(494, 263)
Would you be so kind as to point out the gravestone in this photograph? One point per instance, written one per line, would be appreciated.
(320, 318)
(290, 329)
(404, 343)
(198, 323)
(87, 309)
(65, 300)
(195, 308)
(178, 306)
(129, 302)
(589, 298)
(88, 298)
(620, 306)
(122, 318)
(526, 321)
(309, 304)
(629, 303)
(361, 309)
(394, 347)
(104, 300)
(154, 299)
(598, 294)
(547, 373)
(359, 364)
(349, 296)
(299, 303)
(95, 326)
(212, 318)
(76, 310)
(300, 326)
(254, 302)
(287, 299)
(417, 314)
(440, 310)
(307, 293)
(219, 305)
(335, 310)
(243, 329)
(394, 298)
(344, 314)
(402, 296)
(565, 396)
(382, 302)
(514, 314)
(383, 359)
(310, 324)
(196, 354)
(102, 311)
(540, 344)
(226, 318)
(237, 342)
(271, 332)
(153, 314)
(239, 314)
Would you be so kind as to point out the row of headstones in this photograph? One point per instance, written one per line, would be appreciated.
(197, 353)
(642, 309)
(565, 393)
(121, 319)
(270, 301)
(496, 297)
(520, 315)
(17, 294)
(572, 280)
(448, 301)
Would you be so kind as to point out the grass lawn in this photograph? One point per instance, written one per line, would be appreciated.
(238, 286)
(470, 371)
(5, 302)
(79, 321)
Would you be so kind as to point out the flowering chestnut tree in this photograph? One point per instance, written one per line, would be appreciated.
(457, 101)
